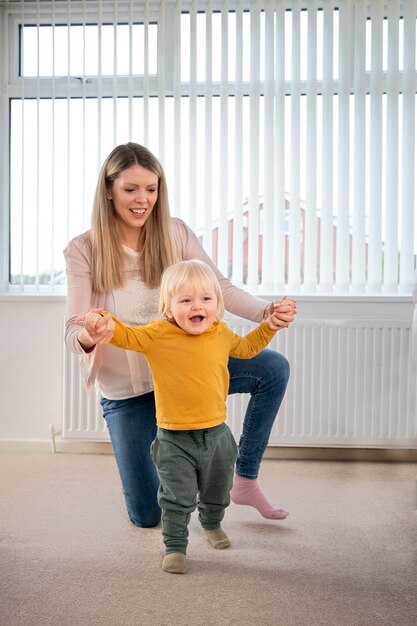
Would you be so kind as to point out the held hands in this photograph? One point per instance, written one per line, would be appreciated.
(281, 313)
(98, 329)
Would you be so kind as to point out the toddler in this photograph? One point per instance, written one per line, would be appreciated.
(188, 351)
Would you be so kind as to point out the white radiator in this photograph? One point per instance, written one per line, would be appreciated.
(82, 412)
(353, 384)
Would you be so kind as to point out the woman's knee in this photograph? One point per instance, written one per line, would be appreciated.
(274, 367)
(144, 518)
(147, 522)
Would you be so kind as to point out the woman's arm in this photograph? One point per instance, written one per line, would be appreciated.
(80, 295)
(236, 300)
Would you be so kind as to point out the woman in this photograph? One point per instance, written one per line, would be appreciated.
(117, 266)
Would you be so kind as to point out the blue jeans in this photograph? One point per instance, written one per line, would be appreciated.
(132, 428)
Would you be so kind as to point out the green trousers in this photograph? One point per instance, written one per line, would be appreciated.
(196, 469)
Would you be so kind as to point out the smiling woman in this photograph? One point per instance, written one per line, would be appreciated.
(117, 266)
(130, 181)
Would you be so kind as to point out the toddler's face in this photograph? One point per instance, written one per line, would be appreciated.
(194, 308)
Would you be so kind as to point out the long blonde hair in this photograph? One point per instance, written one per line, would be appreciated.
(156, 242)
(195, 272)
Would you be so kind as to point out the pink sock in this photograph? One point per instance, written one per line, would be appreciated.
(247, 491)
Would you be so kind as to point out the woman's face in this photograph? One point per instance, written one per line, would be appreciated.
(134, 194)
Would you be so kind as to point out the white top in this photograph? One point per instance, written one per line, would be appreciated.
(134, 305)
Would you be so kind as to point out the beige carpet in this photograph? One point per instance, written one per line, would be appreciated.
(346, 555)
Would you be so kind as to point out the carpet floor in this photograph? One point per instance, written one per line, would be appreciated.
(345, 556)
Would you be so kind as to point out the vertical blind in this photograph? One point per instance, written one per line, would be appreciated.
(286, 130)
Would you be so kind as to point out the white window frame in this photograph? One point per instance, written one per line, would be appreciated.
(12, 87)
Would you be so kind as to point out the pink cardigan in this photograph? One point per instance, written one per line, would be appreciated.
(81, 296)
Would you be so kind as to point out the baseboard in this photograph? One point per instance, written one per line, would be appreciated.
(341, 454)
(272, 452)
(75, 447)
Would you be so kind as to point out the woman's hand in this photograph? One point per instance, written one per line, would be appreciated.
(97, 328)
(281, 314)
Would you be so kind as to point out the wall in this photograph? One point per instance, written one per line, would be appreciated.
(31, 340)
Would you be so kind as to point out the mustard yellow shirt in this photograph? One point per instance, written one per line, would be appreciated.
(190, 372)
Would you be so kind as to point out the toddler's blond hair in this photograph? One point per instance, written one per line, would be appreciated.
(194, 271)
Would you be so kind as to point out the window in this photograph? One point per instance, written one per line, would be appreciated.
(286, 130)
